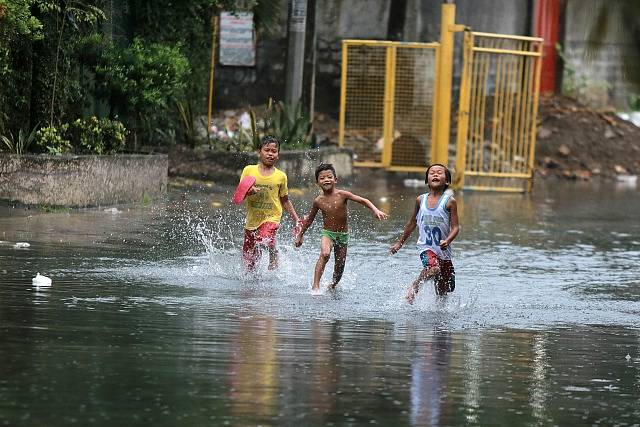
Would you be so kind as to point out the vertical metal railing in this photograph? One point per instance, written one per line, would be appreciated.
(498, 109)
(387, 103)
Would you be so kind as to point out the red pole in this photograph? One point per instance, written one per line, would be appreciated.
(547, 26)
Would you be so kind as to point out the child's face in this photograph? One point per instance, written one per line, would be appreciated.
(268, 154)
(437, 177)
(327, 180)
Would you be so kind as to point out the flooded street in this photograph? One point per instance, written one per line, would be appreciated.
(150, 320)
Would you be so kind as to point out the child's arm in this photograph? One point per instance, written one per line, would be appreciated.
(366, 202)
(306, 223)
(408, 228)
(288, 206)
(452, 205)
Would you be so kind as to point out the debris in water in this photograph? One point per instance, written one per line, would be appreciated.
(41, 281)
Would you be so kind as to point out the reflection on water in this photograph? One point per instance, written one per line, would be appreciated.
(151, 321)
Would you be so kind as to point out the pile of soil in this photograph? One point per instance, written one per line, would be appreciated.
(576, 142)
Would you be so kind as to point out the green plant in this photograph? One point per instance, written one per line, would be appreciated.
(634, 102)
(97, 136)
(187, 121)
(146, 199)
(53, 139)
(74, 13)
(45, 207)
(289, 124)
(21, 144)
(141, 83)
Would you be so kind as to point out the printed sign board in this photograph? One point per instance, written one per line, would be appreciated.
(237, 45)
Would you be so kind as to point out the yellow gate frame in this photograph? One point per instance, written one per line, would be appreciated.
(509, 104)
(368, 101)
(514, 104)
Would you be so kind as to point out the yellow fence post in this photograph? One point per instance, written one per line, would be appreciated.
(440, 150)
(463, 112)
(534, 119)
(389, 95)
(343, 94)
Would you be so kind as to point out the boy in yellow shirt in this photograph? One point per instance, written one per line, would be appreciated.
(265, 202)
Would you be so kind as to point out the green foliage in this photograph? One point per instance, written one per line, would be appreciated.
(47, 208)
(82, 136)
(17, 20)
(286, 122)
(97, 136)
(146, 199)
(56, 65)
(52, 139)
(142, 82)
(289, 124)
(188, 122)
(21, 144)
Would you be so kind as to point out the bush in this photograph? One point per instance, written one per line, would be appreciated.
(52, 139)
(97, 136)
(19, 145)
(83, 136)
(141, 84)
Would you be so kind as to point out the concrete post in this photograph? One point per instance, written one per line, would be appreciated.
(295, 51)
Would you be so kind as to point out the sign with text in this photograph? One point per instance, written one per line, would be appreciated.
(237, 46)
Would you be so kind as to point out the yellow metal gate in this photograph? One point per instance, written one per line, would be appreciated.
(387, 103)
(498, 108)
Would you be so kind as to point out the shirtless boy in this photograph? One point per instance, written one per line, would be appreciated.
(335, 233)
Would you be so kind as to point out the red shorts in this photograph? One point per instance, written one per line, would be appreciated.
(446, 279)
(265, 235)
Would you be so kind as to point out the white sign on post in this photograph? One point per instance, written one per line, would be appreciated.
(237, 44)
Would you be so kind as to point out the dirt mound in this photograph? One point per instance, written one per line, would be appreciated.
(576, 142)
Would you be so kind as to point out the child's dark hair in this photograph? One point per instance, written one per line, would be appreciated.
(325, 167)
(447, 174)
(269, 139)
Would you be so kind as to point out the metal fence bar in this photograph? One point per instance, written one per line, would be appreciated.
(387, 102)
(503, 94)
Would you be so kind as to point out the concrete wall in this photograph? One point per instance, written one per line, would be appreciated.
(226, 167)
(601, 77)
(81, 180)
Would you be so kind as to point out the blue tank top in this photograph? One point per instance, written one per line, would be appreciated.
(434, 225)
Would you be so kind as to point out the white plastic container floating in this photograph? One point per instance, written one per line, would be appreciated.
(21, 245)
(629, 179)
(41, 281)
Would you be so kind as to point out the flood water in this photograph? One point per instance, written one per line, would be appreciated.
(150, 320)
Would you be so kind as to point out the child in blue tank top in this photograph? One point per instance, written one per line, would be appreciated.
(436, 216)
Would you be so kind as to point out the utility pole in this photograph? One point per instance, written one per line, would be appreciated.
(295, 51)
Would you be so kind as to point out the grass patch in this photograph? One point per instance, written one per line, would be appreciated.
(47, 208)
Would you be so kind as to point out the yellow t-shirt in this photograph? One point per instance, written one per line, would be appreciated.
(265, 205)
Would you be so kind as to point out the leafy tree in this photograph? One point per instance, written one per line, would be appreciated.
(141, 83)
(17, 28)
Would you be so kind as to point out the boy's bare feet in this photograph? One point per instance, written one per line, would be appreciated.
(316, 291)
